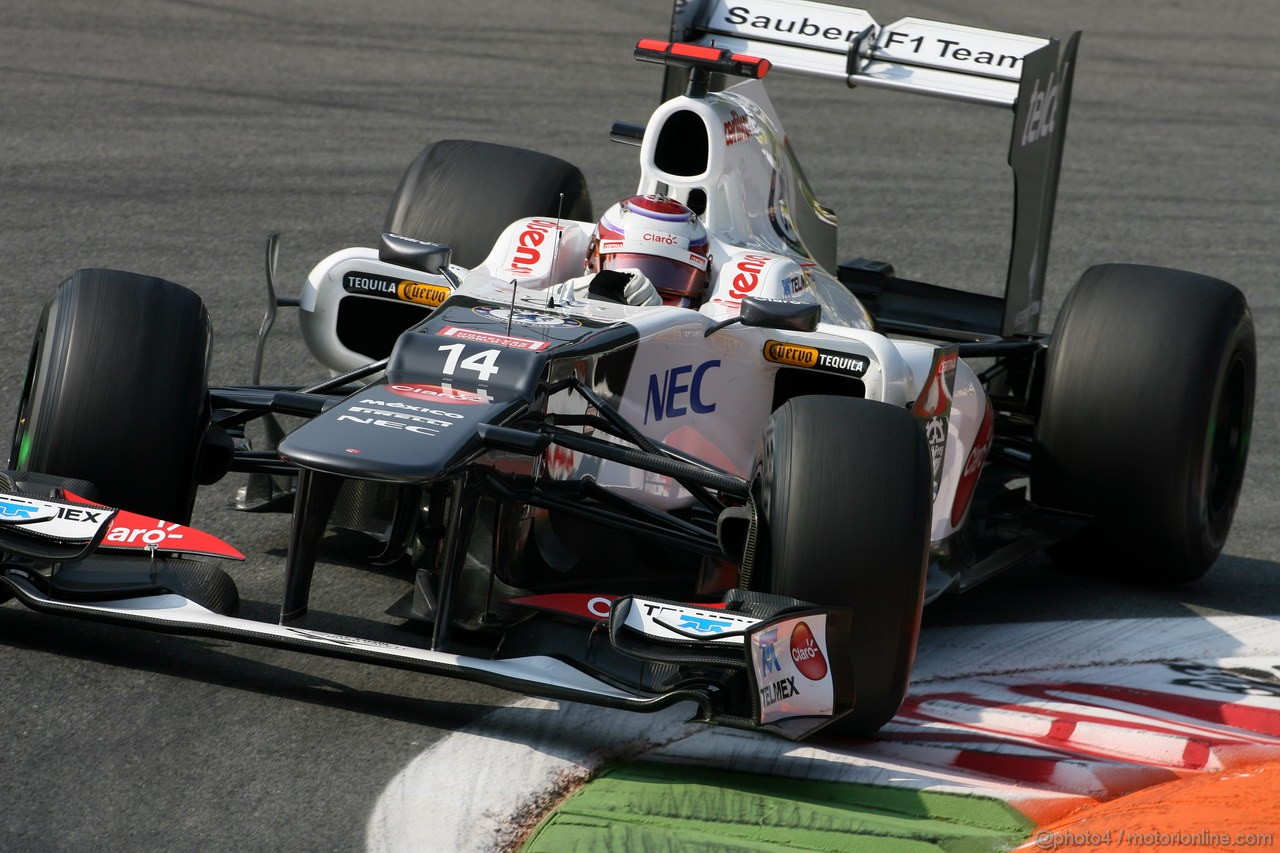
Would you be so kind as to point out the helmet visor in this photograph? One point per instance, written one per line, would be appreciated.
(668, 276)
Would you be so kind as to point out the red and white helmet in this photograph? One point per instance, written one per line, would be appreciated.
(659, 236)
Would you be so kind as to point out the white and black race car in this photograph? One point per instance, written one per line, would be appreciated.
(739, 497)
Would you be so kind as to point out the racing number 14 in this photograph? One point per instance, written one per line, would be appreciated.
(482, 362)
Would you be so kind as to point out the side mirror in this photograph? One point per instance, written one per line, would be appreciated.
(417, 254)
(779, 314)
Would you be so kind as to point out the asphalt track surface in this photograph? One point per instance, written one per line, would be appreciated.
(169, 137)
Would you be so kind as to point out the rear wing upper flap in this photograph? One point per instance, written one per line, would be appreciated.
(1030, 75)
(842, 43)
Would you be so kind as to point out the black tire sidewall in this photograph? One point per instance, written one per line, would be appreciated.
(843, 489)
(1135, 377)
(117, 392)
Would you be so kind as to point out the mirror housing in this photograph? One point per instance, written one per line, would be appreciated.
(417, 254)
(780, 314)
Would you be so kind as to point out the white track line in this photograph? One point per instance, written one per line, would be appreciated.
(481, 788)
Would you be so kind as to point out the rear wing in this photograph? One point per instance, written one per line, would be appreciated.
(1030, 76)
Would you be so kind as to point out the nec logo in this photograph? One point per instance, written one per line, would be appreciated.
(678, 392)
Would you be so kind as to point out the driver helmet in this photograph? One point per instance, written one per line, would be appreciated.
(660, 237)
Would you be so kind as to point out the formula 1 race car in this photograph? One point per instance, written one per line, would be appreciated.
(735, 487)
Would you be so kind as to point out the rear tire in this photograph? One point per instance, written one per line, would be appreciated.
(463, 194)
(116, 391)
(1148, 402)
(843, 488)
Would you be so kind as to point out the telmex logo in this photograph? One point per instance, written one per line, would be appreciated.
(431, 295)
(781, 352)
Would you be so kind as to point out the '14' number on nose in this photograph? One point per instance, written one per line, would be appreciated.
(482, 362)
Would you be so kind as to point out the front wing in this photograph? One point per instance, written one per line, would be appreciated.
(784, 670)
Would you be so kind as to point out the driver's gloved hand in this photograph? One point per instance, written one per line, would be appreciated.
(624, 287)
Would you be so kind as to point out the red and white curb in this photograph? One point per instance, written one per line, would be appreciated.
(1046, 716)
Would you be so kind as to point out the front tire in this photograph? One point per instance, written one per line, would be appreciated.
(116, 391)
(1148, 403)
(843, 488)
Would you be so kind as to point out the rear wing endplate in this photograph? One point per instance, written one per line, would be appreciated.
(1029, 75)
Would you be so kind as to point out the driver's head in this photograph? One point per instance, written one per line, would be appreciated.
(659, 236)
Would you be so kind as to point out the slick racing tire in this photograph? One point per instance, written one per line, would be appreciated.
(1147, 407)
(116, 391)
(463, 194)
(844, 492)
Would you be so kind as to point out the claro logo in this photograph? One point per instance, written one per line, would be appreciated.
(438, 394)
(749, 268)
(670, 240)
(528, 253)
(806, 654)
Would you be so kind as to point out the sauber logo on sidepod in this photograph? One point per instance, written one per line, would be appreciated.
(806, 653)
